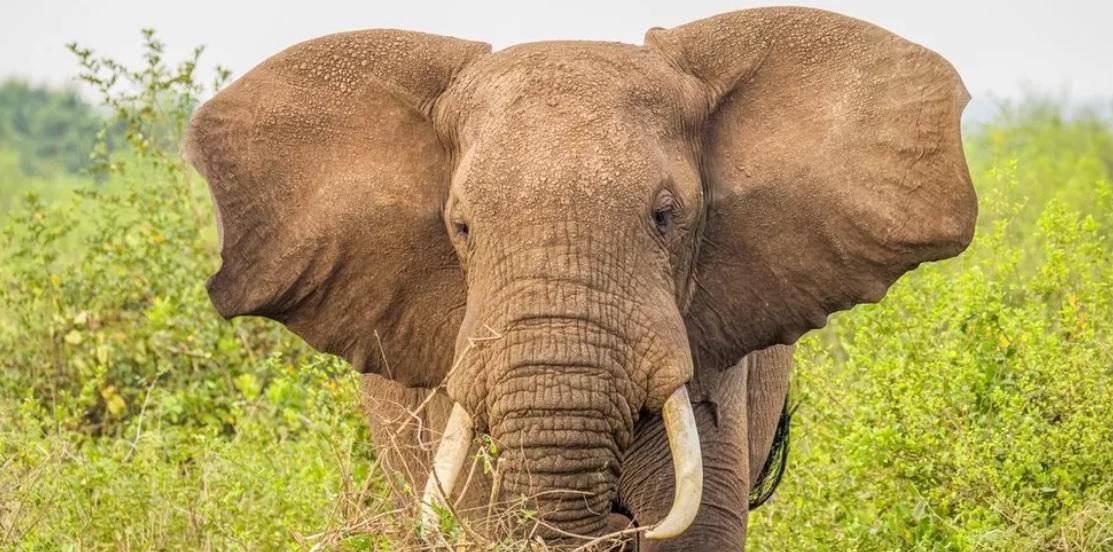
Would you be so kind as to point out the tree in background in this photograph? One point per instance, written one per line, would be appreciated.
(48, 130)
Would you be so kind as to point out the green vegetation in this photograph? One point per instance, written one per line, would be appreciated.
(49, 131)
(45, 140)
(971, 410)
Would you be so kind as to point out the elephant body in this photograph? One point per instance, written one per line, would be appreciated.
(591, 256)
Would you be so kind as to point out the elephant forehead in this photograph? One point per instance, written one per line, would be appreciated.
(584, 126)
(536, 169)
(569, 83)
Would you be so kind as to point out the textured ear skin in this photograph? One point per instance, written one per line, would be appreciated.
(833, 164)
(328, 181)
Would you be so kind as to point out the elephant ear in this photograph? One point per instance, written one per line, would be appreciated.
(328, 181)
(833, 164)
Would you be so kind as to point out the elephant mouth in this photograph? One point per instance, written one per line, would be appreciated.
(684, 446)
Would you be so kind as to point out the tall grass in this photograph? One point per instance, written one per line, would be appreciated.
(971, 410)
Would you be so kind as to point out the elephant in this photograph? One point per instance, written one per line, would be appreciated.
(597, 256)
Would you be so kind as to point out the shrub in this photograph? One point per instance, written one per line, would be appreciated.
(972, 409)
(130, 413)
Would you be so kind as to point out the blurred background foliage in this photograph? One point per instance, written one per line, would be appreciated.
(971, 410)
(45, 139)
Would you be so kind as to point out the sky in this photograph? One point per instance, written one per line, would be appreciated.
(1002, 49)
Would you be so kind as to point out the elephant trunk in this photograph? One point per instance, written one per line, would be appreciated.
(557, 483)
(560, 410)
(561, 442)
(580, 343)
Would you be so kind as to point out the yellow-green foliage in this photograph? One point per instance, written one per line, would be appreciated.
(131, 415)
(971, 410)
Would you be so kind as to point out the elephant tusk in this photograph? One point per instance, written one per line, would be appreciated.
(447, 463)
(687, 463)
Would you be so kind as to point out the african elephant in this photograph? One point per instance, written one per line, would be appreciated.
(598, 254)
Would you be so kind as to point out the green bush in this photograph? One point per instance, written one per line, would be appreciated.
(131, 414)
(971, 410)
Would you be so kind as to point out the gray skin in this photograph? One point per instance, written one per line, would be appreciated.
(558, 236)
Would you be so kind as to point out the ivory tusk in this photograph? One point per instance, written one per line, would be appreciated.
(451, 454)
(687, 463)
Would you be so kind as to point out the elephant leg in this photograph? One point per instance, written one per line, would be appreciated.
(406, 424)
(766, 391)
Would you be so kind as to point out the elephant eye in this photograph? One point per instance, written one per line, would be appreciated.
(662, 219)
(664, 207)
(461, 229)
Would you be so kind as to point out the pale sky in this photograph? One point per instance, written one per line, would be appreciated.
(999, 47)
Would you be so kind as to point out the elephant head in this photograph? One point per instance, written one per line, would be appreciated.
(565, 234)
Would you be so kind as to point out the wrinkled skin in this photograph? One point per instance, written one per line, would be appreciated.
(558, 236)
(737, 423)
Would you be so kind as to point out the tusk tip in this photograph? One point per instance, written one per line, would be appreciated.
(675, 524)
(659, 533)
